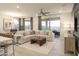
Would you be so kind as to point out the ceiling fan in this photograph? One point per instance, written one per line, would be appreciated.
(44, 13)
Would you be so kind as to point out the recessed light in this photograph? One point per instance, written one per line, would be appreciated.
(60, 11)
(17, 6)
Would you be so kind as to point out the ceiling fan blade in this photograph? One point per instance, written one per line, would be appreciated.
(42, 12)
(47, 12)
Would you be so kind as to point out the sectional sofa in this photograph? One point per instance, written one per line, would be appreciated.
(24, 47)
(25, 36)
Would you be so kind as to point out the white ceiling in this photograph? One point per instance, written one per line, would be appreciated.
(31, 9)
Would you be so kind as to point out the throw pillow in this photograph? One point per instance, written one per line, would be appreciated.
(42, 32)
(37, 32)
(32, 32)
(46, 33)
(26, 33)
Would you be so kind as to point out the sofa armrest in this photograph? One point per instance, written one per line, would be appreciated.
(50, 36)
(25, 39)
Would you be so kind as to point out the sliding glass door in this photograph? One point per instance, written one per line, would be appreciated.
(45, 25)
(50, 24)
(55, 25)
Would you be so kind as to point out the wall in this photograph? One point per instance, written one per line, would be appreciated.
(35, 23)
(1, 23)
(67, 23)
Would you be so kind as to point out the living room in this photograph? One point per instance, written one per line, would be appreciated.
(17, 20)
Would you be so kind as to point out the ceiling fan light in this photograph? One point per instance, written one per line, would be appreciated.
(60, 11)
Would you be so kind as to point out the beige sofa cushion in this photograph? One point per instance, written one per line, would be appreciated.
(46, 32)
(32, 32)
(50, 35)
(37, 32)
(26, 33)
(19, 32)
(25, 39)
(42, 32)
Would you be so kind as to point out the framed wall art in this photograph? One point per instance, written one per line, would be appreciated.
(7, 24)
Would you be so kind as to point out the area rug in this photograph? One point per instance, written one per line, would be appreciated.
(44, 49)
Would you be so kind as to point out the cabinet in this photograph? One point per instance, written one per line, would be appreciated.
(69, 43)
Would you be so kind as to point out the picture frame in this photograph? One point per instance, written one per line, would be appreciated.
(7, 24)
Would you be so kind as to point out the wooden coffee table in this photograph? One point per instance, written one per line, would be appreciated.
(39, 40)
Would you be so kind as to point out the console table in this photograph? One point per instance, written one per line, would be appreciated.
(69, 43)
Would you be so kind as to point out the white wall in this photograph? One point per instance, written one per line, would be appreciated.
(67, 20)
(1, 23)
(35, 23)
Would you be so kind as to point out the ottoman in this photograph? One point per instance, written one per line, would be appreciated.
(39, 40)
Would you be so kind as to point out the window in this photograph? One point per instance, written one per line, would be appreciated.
(55, 25)
(43, 25)
(51, 24)
(16, 23)
(27, 24)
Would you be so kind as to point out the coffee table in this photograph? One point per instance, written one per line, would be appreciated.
(39, 40)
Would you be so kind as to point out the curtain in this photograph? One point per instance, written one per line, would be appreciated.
(21, 23)
(39, 22)
(31, 20)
